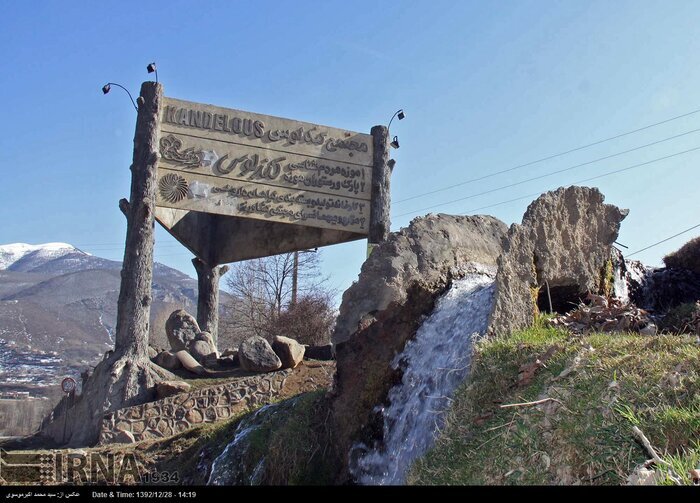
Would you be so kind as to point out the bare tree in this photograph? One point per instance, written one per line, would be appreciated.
(263, 288)
(125, 376)
(309, 321)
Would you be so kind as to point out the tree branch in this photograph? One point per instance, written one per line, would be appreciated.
(639, 435)
(124, 206)
(527, 404)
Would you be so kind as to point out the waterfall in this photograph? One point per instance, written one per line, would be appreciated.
(630, 279)
(238, 465)
(434, 364)
(229, 467)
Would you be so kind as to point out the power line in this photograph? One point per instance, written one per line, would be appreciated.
(554, 156)
(470, 212)
(550, 173)
(536, 194)
(664, 240)
(539, 193)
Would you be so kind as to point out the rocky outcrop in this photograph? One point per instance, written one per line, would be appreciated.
(256, 355)
(398, 286)
(664, 288)
(563, 245)
(289, 351)
(181, 328)
(430, 251)
(687, 257)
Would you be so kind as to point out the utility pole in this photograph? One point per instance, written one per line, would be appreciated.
(295, 278)
(295, 274)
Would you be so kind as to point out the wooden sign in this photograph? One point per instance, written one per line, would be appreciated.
(228, 162)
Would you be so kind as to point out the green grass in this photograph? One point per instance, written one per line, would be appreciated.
(295, 444)
(599, 387)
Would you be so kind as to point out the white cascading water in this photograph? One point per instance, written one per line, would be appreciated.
(629, 276)
(620, 286)
(226, 469)
(434, 364)
(232, 467)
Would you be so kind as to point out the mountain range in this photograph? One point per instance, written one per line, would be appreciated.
(58, 311)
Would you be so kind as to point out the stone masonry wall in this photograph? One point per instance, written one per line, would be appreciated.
(178, 413)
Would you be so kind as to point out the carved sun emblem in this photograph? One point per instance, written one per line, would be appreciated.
(172, 187)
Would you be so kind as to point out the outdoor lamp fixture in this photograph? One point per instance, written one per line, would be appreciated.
(400, 114)
(152, 68)
(108, 86)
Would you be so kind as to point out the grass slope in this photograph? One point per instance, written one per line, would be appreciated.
(598, 387)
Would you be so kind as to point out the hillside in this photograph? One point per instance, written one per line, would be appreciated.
(58, 309)
(588, 393)
(468, 352)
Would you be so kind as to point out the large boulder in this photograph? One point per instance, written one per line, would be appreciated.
(562, 246)
(189, 363)
(200, 350)
(430, 251)
(289, 351)
(167, 360)
(256, 355)
(181, 328)
(209, 339)
(398, 286)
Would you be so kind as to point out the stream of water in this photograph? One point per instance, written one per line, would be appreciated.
(434, 364)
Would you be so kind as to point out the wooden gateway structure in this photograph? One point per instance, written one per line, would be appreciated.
(232, 185)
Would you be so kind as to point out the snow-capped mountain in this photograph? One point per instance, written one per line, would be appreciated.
(58, 308)
(50, 258)
(16, 252)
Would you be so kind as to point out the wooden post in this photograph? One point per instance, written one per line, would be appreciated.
(126, 376)
(134, 306)
(208, 296)
(379, 218)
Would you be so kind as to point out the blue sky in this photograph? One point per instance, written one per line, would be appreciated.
(486, 86)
